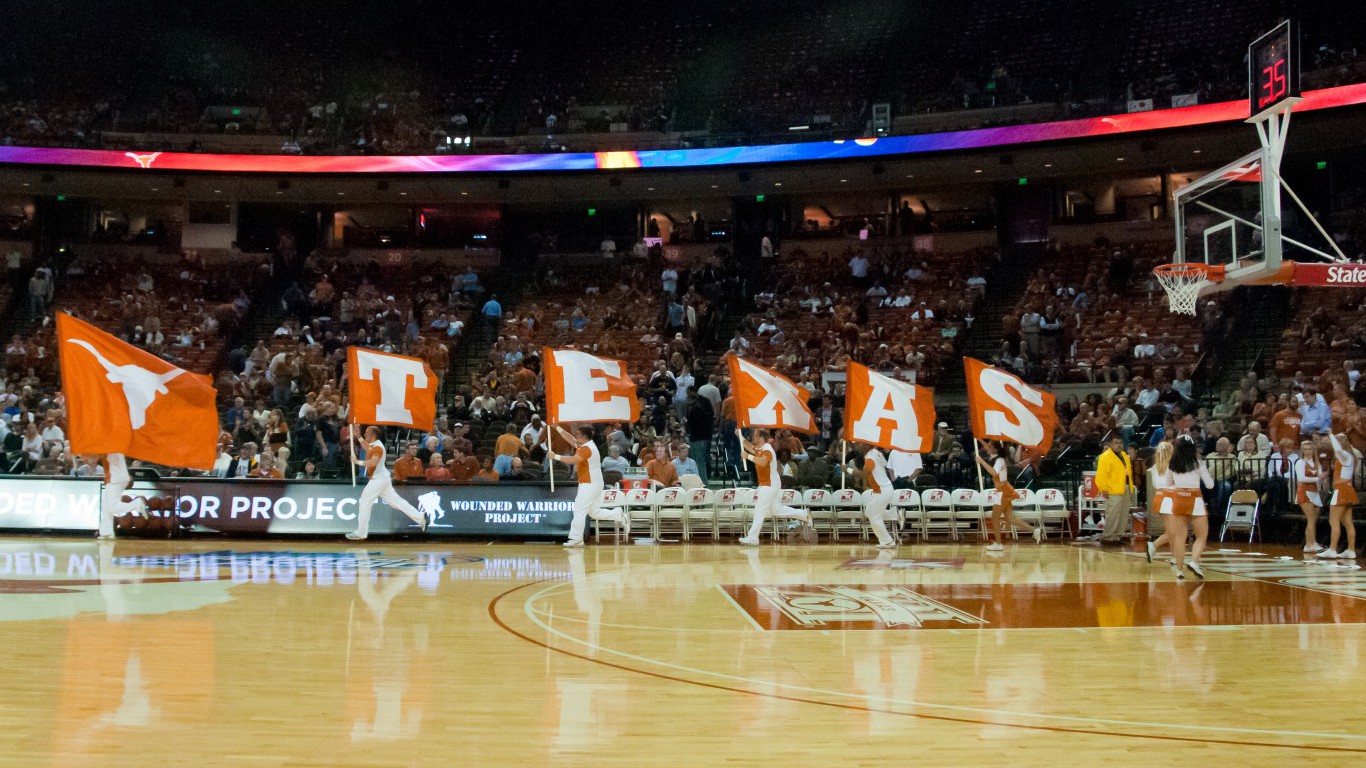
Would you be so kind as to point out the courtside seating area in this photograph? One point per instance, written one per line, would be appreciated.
(1104, 294)
(959, 514)
(1326, 328)
(898, 329)
(206, 302)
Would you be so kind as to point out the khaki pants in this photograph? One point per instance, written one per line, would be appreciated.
(1116, 518)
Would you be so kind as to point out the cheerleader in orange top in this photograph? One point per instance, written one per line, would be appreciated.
(1344, 498)
(1003, 511)
(1184, 505)
(1308, 473)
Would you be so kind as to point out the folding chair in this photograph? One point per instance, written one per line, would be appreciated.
(821, 506)
(734, 506)
(969, 511)
(937, 508)
(1243, 507)
(1052, 506)
(848, 512)
(909, 515)
(698, 506)
(670, 508)
(611, 499)
(640, 505)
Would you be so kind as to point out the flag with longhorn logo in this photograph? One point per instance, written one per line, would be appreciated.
(1002, 407)
(887, 412)
(583, 388)
(121, 399)
(765, 398)
(390, 389)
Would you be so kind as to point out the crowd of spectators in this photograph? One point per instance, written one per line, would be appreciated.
(322, 83)
(892, 308)
(1094, 314)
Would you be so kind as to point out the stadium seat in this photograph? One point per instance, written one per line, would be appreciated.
(1243, 508)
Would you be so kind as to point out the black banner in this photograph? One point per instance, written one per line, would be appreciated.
(284, 508)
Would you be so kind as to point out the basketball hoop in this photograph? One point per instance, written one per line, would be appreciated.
(1184, 282)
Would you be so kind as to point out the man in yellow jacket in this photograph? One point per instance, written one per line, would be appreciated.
(1115, 481)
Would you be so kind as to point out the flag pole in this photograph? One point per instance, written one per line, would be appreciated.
(351, 448)
(550, 463)
(844, 461)
(977, 448)
(743, 461)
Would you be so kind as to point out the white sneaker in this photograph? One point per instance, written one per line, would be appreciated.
(105, 537)
(748, 542)
(578, 543)
(995, 548)
(626, 527)
(1180, 575)
(1315, 547)
(1347, 554)
(888, 545)
(1327, 554)
(355, 536)
(1152, 551)
(1038, 534)
(1196, 568)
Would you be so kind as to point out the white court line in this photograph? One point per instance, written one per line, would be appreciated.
(1130, 724)
(757, 626)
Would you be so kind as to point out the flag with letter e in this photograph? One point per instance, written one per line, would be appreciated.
(390, 389)
(1002, 407)
(584, 388)
(886, 412)
(121, 399)
(765, 398)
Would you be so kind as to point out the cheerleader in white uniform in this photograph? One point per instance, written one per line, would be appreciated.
(1184, 505)
(1344, 498)
(879, 496)
(1308, 473)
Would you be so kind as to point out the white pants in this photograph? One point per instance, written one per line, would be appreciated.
(112, 504)
(874, 510)
(588, 503)
(766, 503)
(382, 488)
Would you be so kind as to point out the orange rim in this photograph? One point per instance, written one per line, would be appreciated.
(1211, 272)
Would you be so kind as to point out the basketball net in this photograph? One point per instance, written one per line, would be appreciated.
(1184, 282)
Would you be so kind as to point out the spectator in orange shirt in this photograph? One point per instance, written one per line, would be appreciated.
(1285, 424)
(463, 467)
(436, 470)
(488, 474)
(661, 469)
(408, 466)
(523, 379)
(266, 468)
(507, 446)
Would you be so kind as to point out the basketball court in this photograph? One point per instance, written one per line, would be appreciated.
(143, 653)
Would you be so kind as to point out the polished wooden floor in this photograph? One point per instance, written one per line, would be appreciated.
(472, 654)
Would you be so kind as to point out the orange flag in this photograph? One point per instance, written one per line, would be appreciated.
(390, 389)
(765, 398)
(887, 412)
(1002, 407)
(581, 388)
(121, 399)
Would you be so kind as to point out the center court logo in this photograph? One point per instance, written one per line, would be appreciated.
(844, 606)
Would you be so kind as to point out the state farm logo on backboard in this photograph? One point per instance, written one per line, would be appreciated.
(844, 606)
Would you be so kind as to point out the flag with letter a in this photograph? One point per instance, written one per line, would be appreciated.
(390, 389)
(765, 398)
(887, 412)
(582, 388)
(121, 399)
(1002, 407)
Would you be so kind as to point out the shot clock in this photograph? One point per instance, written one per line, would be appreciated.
(1273, 70)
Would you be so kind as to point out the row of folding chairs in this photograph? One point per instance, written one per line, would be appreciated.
(729, 511)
